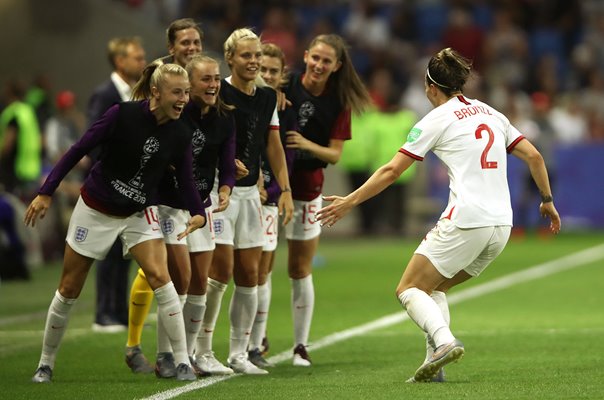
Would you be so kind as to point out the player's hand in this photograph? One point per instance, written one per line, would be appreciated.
(263, 195)
(295, 140)
(196, 222)
(547, 210)
(332, 213)
(282, 102)
(224, 199)
(286, 206)
(241, 170)
(36, 208)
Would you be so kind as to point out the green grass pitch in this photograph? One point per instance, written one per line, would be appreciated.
(539, 339)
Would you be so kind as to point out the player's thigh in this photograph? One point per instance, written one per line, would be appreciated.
(247, 261)
(221, 267)
(152, 257)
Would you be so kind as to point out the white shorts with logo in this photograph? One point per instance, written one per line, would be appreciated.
(303, 225)
(240, 225)
(173, 221)
(270, 218)
(92, 233)
(451, 249)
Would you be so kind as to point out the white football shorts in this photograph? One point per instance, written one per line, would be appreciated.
(240, 225)
(451, 249)
(173, 222)
(92, 233)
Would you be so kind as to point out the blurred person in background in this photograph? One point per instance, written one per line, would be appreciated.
(39, 96)
(12, 245)
(185, 41)
(388, 127)
(20, 144)
(60, 133)
(127, 58)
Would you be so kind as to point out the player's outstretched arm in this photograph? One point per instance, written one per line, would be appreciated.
(380, 180)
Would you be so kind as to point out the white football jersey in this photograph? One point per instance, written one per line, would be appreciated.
(472, 140)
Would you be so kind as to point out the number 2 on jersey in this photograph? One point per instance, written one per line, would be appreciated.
(483, 158)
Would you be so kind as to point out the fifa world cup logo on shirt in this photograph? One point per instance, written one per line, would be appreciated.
(307, 110)
(150, 147)
(198, 142)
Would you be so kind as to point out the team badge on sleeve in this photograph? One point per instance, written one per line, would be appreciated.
(167, 226)
(413, 135)
(80, 234)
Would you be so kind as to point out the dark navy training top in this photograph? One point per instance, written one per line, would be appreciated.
(213, 147)
(135, 153)
(253, 116)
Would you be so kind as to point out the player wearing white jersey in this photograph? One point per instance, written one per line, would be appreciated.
(472, 140)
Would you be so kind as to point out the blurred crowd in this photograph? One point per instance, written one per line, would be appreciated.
(541, 62)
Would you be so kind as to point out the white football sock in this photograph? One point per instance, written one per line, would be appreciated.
(192, 313)
(56, 324)
(163, 340)
(259, 327)
(242, 311)
(169, 315)
(424, 311)
(214, 296)
(269, 294)
(440, 298)
(303, 303)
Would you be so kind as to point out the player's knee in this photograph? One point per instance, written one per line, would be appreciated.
(405, 295)
(157, 278)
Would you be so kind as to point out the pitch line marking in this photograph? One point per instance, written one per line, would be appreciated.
(536, 272)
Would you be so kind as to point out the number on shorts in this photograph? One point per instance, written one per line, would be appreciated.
(271, 228)
(151, 217)
(308, 213)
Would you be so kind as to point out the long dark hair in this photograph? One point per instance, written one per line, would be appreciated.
(350, 89)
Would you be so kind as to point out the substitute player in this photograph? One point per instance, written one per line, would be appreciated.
(323, 97)
(139, 141)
